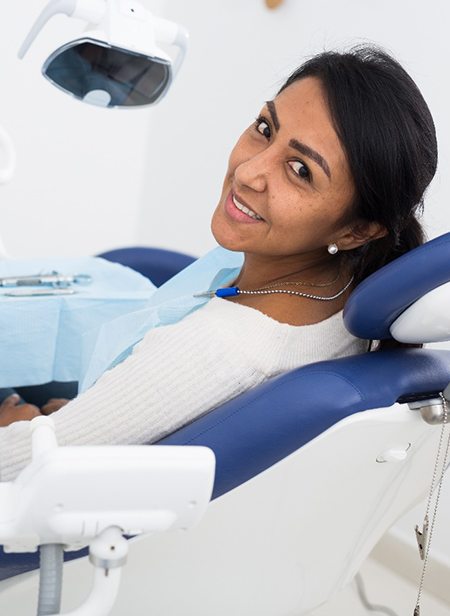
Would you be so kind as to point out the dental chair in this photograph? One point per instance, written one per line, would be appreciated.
(157, 264)
(312, 468)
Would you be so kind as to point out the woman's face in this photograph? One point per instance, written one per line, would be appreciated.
(288, 183)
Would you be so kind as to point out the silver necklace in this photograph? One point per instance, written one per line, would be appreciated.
(233, 291)
(305, 284)
(425, 534)
(269, 290)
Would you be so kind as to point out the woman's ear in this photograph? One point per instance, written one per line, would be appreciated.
(361, 233)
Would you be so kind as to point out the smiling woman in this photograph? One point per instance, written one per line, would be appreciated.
(340, 159)
(321, 190)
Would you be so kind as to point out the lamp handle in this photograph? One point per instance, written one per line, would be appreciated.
(89, 10)
(181, 42)
(169, 32)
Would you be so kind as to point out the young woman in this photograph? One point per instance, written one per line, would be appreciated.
(321, 190)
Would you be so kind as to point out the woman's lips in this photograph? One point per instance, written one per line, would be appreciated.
(236, 214)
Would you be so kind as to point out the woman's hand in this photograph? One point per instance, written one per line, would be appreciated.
(12, 410)
(54, 404)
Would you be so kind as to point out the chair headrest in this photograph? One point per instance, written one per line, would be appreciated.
(377, 302)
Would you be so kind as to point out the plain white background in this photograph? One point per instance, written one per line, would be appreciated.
(90, 179)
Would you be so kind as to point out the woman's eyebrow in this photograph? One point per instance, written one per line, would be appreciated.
(310, 153)
(297, 145)
(273, 114)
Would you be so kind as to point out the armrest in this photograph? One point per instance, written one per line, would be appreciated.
(262, 426)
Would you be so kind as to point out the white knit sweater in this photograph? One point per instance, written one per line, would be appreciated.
(179, 372)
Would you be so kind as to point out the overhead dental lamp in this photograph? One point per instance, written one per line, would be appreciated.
(117, 62)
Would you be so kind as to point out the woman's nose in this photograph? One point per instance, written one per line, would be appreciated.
(253, 173)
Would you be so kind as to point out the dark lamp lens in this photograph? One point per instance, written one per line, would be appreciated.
(122, 78)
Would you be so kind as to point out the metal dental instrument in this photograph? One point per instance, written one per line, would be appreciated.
(23, 292)
(52, 279)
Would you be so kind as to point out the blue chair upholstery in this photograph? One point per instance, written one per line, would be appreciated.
(156, 264)
(264, 425)
(380, 299)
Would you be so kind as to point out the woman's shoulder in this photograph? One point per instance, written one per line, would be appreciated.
(280, 346)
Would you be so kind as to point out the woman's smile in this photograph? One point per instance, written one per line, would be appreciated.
(236, 209)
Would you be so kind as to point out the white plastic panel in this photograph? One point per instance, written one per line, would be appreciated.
(427, 320)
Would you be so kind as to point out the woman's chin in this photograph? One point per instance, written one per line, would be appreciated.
(223, 234)
(224, 240)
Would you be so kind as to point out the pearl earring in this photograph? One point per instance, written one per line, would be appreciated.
(332, 249)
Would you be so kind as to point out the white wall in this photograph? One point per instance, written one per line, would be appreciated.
(90, 179)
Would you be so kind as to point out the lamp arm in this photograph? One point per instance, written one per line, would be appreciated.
(89, 10)
(54, 7)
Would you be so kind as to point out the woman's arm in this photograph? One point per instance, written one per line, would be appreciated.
(174, 375)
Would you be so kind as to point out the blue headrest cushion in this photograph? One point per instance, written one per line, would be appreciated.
(377, 302)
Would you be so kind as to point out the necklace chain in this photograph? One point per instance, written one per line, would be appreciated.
(427, 539)
(326, 298)
(304, 283)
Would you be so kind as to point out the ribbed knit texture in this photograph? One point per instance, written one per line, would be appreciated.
(179, 372)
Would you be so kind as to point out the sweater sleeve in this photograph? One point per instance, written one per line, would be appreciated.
(178, 373)
(175, 374)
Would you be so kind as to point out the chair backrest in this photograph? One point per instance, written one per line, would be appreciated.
(156, 264)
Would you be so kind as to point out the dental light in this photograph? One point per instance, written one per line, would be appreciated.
(117, 62)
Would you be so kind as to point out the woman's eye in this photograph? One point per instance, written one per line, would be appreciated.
(300, 169)
(263, 127)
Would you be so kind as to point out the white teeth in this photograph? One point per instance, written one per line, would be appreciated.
(245, 209)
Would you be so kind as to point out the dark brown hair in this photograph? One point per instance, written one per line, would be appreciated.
(388, 134)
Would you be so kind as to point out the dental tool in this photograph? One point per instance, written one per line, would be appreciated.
(118, 61)
(39, 292)
(52, 279)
